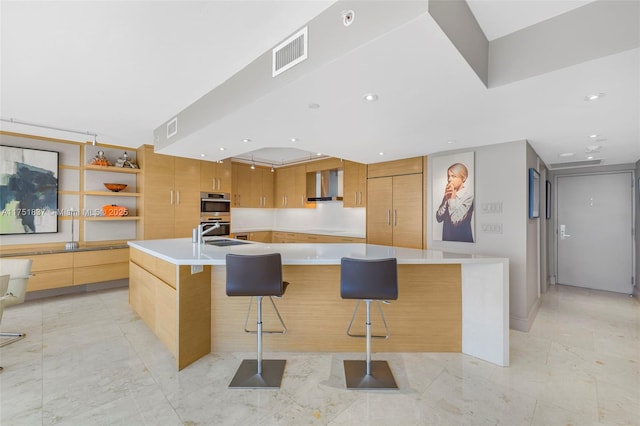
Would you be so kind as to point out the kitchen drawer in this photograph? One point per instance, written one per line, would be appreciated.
(100, 273)
(55, 278)
(100, 257)
(47, 262)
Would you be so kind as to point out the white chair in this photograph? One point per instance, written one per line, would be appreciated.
(4, 285)
(19, 271)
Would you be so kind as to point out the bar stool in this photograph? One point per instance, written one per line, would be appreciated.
(257, 276)
(368, 280)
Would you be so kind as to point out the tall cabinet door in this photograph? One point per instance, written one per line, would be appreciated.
(379, 209)
(158, 194)
(187, 196)
(407, 211)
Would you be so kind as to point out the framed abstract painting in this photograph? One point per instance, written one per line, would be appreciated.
(28, 190)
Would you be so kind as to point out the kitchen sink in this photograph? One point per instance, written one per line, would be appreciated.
(225, 243)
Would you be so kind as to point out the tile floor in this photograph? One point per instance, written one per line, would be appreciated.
(89, 360)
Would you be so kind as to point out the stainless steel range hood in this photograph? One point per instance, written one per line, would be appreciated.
(325, 185)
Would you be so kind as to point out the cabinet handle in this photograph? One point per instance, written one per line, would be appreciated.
(177, 198)
(171, 197)
(355, 198)
(388, 217)
(395, 217)
(213, 184)
(219, 184)
(239, 199)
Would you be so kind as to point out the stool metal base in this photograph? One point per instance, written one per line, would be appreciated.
(247, 376)
(355, 372)
(9, 338)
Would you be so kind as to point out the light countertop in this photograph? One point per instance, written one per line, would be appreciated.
(181, 251)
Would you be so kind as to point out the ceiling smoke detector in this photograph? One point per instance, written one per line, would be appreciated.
(347, 17)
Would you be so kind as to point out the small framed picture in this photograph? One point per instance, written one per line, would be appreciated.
(548, 200)
(534, 193)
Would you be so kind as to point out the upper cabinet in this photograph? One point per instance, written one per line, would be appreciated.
(354, 184)
(291, 187)
(170, 188)
(215, 176)
(252, 188)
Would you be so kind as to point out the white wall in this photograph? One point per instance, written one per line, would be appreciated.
(637, 226)
(501, 176)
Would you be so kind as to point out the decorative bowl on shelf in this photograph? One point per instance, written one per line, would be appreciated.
(111, 210)
(115, 187)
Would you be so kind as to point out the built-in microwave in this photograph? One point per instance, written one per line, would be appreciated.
(215, 203)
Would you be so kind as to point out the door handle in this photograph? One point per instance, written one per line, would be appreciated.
(563, 232)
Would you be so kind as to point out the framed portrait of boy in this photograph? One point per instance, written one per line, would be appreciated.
(453, 197)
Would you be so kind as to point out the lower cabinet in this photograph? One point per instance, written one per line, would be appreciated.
(57, 270)
(174, 303)
(299, 237)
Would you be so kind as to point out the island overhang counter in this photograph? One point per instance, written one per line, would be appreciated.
(447, 302)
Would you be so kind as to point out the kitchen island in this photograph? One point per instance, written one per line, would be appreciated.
(447, 302)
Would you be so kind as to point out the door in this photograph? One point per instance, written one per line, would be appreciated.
(594, 226)
(379, 206)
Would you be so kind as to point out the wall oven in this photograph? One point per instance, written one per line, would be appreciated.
(223, 231)
(215, 203)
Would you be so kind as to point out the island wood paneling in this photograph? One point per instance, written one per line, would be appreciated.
(178, 312)
(427, 317)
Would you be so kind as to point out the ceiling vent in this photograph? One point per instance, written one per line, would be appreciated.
(290, 52)
(575, 164)
(172, 127)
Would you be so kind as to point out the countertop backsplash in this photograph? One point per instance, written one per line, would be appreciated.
(328, 216)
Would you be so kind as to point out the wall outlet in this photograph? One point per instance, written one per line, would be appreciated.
(196, 269)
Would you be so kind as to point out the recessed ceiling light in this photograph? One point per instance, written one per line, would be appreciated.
(567, 154)
(381, 153)
(246, 140)
(222, 148)
(589, 157)
(371, 97)
(203, 155)
(451, 141)
(314, 106)
(294, 139)
(593, 96)
(593, 136)
(319, 153)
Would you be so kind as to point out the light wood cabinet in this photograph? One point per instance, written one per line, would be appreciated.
(175, 303)
(406, 166)
(354, 184)
(170, 188)
(215, 176)
(299, 237)
(56, 270)
(394, 210)
(252, 188)
(291, 187)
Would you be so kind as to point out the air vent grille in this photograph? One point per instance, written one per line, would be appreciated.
(172, 127)
(290, 52)
(575, 164)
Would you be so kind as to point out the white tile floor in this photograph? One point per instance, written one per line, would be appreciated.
(89, 360)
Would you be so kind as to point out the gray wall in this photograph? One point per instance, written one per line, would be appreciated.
(501, 176)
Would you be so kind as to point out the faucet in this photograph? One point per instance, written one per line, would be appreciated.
(202, 232)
